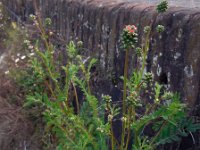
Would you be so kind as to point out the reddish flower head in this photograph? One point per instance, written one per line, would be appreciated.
(129, 36)
(131, 29)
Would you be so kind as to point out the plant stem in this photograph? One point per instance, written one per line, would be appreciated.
(125, 82)
(67, 83)
(129, 128)
(112, 136)
(161, 128)
(50, 88)
(76, 97)
(124, 97)
(145, 51)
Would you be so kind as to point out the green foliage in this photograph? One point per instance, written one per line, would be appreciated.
(162, 6)
(71, 50)
(87, 123)
(143, 144)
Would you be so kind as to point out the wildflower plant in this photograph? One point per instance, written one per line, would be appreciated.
(72, 122)
(164, 114)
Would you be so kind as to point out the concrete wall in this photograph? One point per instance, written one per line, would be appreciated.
(174, 57)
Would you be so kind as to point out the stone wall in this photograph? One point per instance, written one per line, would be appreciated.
(174, 56)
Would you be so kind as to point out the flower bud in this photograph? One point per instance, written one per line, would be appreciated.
(138, 51)
(162, 7)
(160, 28)
(148, 77)
(32, 17)
(48, 21)
(147, 29)
(129, 36)
(107, 98)
(124, 119)
(80, 44)
(167, 95)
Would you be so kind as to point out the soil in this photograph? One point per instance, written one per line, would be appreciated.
(15, 128)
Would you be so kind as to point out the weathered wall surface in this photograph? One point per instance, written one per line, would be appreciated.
(174, 57)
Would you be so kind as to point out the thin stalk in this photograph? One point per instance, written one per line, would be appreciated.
(112, 136)
(40, 26)
(144, 56)
(125, 82)
(76, 97)
(88, 85)
(123, 136)
(124, 97)
(50, 88)
(67, 80)
(135, 132)
(151, 108)
(139, 85)
(129, 129)
(158, 133)
(85, 130)
(86, 75)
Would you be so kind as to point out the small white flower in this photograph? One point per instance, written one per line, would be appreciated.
(17, 60)
(123, 119)
(100, 129)
(7, 72)
(30, 47)
(32, 17)
(157, 100)
(27, 42)
(50, 33)
(23, 57)
(32, 54)
(18, 54)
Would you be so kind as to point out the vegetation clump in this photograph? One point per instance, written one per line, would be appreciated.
(85, 122)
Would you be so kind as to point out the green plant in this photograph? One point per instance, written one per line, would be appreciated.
(163, 113)
(87, 124)
(162, 6)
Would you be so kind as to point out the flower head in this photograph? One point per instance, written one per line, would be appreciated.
(123, 119)
(17, 60)
(32, 17)
(23, 57)
(162, 6)
(48, 21)
(160, 28)
(80, 44)
(129, 36)
(147, 29)
(7, 72)
(131, 29)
